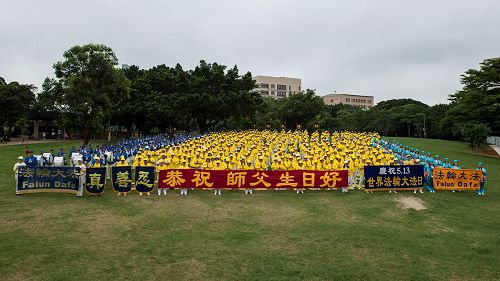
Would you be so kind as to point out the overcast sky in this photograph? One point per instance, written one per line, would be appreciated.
(385, 48)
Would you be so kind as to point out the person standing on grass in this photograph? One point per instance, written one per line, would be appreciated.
(162, 165)
(19, 163)
(345, 189)
(483, 178)
(183, 165)
(454, 167)
(417, 162)
(81, 176)
(300, 166)
(62, 154)
(217, 167)
(428, 177)
(395, 191)
(248, 166)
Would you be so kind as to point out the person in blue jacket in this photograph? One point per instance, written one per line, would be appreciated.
(62, 154)
(87, 158)
(31, 160)
(483, 178)
(437, 162)
(429, 178)
(447, 163)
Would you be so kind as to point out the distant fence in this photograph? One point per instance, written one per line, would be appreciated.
(493, 140)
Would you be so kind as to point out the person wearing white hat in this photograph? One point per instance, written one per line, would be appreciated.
(20, 163)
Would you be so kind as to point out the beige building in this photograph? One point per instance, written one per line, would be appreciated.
(356, 100)
(277, 87)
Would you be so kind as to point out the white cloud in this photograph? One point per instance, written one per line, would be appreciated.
(389, 49)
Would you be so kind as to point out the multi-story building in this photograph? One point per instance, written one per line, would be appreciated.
(356, 100)
(277, 87)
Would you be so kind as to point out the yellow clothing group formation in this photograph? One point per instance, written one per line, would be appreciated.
(270, 150)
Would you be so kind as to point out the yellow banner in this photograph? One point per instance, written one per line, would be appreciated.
(451, 179)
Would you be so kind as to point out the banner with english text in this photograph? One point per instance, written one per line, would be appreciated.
(47, 179)
(456, 179)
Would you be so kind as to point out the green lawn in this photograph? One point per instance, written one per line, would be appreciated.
(268, 236)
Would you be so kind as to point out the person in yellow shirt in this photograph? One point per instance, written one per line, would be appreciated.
(217, 167)
(347, 166)
(122, 162)
(97, 163)
(208, 165)
(146, 163)
(308, 162)
(287, 163)
(407, 160)
(300, 166)
(182, 165)
(162, 165)
(248, 166)
(227, 165)
(175, 160)
(275, 165)
(331, 165)
(137, 161)
(260, 164)
(197, 162)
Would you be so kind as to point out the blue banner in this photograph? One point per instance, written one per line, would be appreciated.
(405, 177)
(144, 179)
(47, 179)
(95, 179)
(121, 178)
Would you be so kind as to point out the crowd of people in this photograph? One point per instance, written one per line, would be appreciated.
(100, 155)
(406, 155)
(271, 150)
(252, 150)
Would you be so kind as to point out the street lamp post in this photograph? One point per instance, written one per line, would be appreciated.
(425, 132)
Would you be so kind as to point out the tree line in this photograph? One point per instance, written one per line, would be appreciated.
(90, 94)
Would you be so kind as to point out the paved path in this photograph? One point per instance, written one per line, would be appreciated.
(496, 148)
(28, 142)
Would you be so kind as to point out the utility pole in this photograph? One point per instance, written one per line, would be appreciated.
(425, 132)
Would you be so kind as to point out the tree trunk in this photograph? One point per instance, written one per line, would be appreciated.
(202, 122)
(86, 135)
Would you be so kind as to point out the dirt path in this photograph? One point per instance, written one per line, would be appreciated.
(411, 202)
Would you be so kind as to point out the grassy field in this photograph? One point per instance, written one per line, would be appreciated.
(267, 236)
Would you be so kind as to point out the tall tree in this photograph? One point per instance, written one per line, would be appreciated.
(15, 101)
(479, 100)
(89, 87)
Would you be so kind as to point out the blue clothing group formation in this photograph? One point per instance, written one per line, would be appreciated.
(405, 155)
(108, 154)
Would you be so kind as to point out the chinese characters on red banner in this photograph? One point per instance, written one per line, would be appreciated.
(191, 178)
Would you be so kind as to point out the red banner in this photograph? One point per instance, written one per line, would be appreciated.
(191, 178)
